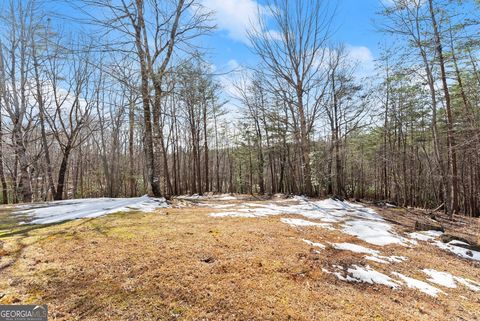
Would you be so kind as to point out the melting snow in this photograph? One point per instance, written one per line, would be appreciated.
(425, 235)
(326, 210)
(355, 248)
(376, 259)
(299, 223)
(434, 233)
(364, 275)
(441, 278)
(368, 275)
(352, 219)
(457, 242)
(474, 286)
(460, 251)
(452, 246)
(374, 255)
(58, 211)
(225, 198)
(373, 232)
(421, 236)
(220, 197)
(447, 280)
(394, 258)
(320, 245)
(216, 206)
(246, 212)
(356, 219)
(419, 285)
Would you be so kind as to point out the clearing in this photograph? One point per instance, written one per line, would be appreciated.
(238, 258)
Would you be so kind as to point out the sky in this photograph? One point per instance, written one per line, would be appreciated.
(228, 48)
(354, 26)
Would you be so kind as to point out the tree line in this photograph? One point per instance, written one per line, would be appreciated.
(127, 103)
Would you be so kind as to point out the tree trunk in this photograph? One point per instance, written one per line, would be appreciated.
(205, 147)
(62, 172)
(153, 183)
(305, 145)
(2, 93)
(41, 110)
(24, 187)
(131, 133)
(452, 155)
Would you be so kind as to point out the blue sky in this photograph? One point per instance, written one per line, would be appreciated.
(228, 46)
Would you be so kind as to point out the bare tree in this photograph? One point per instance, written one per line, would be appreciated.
(293, 53)
(452, 154)
(3, 95)
(156, 28)
(16, 99)
(71, 106)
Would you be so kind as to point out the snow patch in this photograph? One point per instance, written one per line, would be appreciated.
(365, 274)
(368, 275)
(225, 197)
(374, 255)
(376, 259)
(374, 232)
(419, 285)
(300, 198)
(357, 220)
(452, 246)
(457, 250)
(421, 236)
(296, 222)
(320, 245)
(474, 286)
(354, 248)
(434, 233)
(394, 258)
(219, 197)
(457, 242)
(329, 211)
(233, 214)
(450, 281)
(441, 278)
(59, 211)
(218, 206)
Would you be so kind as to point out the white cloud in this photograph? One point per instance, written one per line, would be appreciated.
(233, 65)
(231, 76)
(361, 54)
(235, 16)
(363, 57)
(274, 35)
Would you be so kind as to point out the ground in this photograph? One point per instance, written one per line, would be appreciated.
(181, 263)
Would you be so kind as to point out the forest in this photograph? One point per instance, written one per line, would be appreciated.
(120, 99)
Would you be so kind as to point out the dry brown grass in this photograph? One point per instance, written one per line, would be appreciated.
(182, 264)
